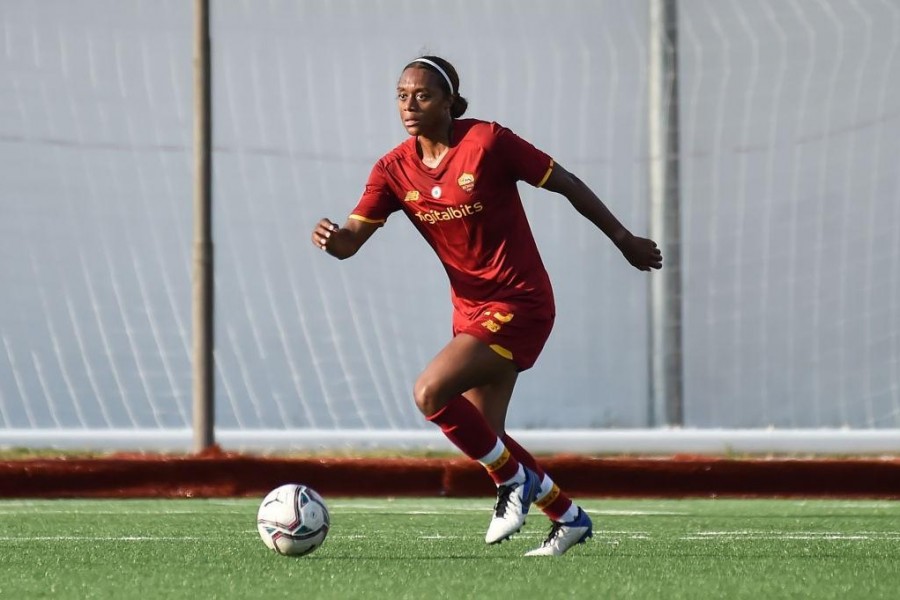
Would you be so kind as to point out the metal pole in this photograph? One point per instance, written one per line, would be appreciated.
(666, 386)
(204, 414)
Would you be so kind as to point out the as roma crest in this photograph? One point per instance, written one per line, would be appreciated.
(467, 182)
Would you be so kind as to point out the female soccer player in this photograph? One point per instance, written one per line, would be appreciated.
(456, 181)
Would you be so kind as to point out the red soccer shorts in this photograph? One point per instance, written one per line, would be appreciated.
(516, 333)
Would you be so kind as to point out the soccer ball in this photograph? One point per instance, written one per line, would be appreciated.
(293, 520)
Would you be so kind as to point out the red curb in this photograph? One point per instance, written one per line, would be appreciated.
(223, 475)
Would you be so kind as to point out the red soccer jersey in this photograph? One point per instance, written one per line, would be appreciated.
(470, 212)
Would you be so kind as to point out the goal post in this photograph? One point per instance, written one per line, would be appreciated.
(665, 376)
(204, 273)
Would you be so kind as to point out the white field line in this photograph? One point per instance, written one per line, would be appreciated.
(637, 513)
(606, 536)
(100, 538)
(356, 508)
(645, 535)
(760, 532)
(846, 504)
(6, 514)
(792, 535)
(41, 511)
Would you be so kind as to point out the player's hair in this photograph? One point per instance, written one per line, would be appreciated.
(459, 104)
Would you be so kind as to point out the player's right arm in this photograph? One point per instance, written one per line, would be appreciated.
(372, 211)
(343, 242)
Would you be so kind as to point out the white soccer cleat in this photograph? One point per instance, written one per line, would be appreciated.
(565, 535)
(513, 502)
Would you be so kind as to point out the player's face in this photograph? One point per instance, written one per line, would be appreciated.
(424, 106)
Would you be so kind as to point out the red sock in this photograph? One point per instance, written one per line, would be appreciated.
(463, 425)
(522, 455)
(550, 499)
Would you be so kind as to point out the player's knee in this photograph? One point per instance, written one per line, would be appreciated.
(428, 397)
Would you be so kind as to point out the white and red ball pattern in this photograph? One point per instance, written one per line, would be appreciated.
(293, 520)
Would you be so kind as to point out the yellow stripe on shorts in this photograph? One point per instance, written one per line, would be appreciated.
(502, 351)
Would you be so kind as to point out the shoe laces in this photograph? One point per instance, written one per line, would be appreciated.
(503, 493)
(555, 530)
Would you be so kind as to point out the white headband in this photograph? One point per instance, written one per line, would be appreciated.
(439, 70)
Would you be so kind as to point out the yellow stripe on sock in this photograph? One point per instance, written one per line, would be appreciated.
(497, 464)
(548, 499)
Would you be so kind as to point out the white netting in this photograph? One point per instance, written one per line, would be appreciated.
(790, 128)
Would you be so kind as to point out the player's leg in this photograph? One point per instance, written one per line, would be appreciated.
(565, 534)
(519, 334)
(492, 400)
(463, 364)
(571, 525)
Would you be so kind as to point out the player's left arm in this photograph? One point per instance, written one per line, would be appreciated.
(642, 253)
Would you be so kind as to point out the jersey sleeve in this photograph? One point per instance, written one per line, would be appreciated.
(377, 201)
(524, 161)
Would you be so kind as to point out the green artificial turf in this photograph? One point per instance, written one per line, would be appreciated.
(434, 548)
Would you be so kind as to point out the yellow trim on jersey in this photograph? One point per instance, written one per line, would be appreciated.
(502, 351)
(546, 175)
(367, 220)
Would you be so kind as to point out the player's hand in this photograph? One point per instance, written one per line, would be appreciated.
(322, 233)
(642, 253)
